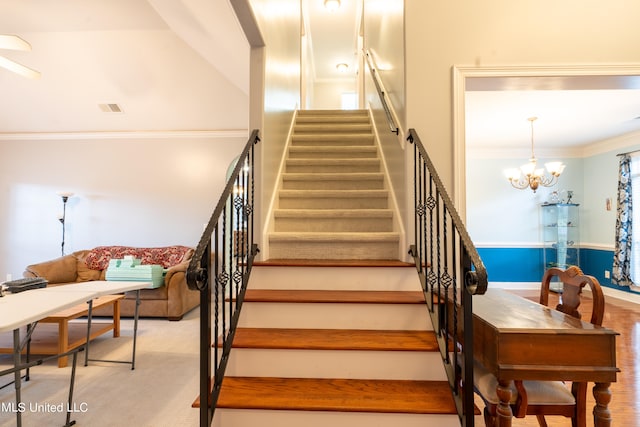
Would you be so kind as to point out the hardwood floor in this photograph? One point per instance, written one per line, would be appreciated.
(624, 318)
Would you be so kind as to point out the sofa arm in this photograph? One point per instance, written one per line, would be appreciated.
(180, 298)
(178, 268)
(59, 270)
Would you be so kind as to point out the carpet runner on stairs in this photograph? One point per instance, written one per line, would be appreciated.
(333, 201)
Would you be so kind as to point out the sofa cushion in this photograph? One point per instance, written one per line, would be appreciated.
(99, 257)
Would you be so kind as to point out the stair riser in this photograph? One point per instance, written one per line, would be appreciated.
(335, 278)
(332, 120)
(329, 128)
(294, 167)
(412, 317)
(404, 365)
(333, 184)
(303, 202)
(333, 250)
(339, 141)
(265, 418)
(334, 224)
(332, 154)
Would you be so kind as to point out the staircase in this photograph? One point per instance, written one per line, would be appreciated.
(335, 344)
(334, 330)
(333, 203)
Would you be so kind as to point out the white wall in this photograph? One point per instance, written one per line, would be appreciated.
(280, 26)
(503, 216)
(384, 40)
(328, 94)
(499, 214)
(139, 192)
(440, 35)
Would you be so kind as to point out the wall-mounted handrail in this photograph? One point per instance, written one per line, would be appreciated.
(451, 272)
(381, 94)
(224, 257)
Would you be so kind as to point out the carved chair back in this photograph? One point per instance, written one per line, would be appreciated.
(573, 281)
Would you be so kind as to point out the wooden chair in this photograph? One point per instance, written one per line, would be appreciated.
(542, 398)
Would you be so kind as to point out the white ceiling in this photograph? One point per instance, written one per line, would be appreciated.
(159, 60)
(333, 38)
(572, 111)
(167, 63)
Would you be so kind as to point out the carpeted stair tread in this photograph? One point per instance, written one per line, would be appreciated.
(342, 139)
(327, 127)
(333, 176)
(334, 213)
(334, 339)
(345, 395)
(333, 117)
(333, 162)
(349, 194)
(342, 151)
(367, 236)
(275, 262)
(334, 296)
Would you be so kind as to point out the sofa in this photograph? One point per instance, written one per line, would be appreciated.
(171, 301)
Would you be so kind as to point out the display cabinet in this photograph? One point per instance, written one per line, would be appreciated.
(561, 234)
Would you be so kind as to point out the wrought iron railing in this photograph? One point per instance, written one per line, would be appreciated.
(450, 271)
(220, 270)
(381, 94)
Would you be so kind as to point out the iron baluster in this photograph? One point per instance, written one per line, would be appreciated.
(231, 265)
(444, 255)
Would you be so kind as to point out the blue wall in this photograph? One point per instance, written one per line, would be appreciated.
(525, 264)
(512, 264)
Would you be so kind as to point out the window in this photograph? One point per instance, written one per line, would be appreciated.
(635, 228)
(349, 101)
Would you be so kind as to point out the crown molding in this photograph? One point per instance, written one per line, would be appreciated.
(618, 143)
(125, 135)
(621, 142)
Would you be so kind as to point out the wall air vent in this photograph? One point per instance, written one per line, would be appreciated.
(110, 108)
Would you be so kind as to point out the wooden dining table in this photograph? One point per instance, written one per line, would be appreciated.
(518, 339)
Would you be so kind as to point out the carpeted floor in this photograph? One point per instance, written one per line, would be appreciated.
(159, 392)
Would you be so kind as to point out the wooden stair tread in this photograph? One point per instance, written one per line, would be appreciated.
(326, 296)
(345, 395)
(335, 339)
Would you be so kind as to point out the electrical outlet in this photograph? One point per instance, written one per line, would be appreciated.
(9, 277)
(607, 274)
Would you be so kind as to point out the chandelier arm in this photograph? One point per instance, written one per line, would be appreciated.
(548, 181)
(520, 183)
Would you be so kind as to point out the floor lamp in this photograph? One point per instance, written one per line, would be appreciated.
(65, 197)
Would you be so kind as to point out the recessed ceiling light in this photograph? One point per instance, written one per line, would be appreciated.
(342, 67)
(332, 4)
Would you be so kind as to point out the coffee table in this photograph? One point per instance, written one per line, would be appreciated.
(28, 308)
(69, 335)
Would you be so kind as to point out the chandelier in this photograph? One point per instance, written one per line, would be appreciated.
(529, 175)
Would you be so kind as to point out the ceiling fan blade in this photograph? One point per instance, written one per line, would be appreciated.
(18, 68)
(13, 42)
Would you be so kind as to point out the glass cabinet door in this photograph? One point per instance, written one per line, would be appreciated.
(560, 235)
